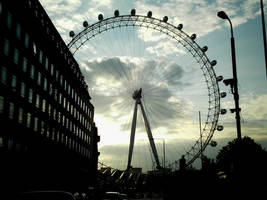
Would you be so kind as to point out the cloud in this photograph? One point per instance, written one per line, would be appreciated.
(197, 16)
(253, 117)
(117, 155)
(165, 48)
(112, 82)
(200, 16)
(171, 94)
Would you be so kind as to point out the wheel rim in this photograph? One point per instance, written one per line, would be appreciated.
(188, 42)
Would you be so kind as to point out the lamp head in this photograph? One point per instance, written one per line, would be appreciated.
(222, 15)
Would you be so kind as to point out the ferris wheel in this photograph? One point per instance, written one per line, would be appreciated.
(135, 60)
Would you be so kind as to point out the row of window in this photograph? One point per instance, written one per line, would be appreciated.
(44, 106)
(38, 12)
(55, 109)
(17, 146)
(55, 133)
(42, 80)
(49, 66)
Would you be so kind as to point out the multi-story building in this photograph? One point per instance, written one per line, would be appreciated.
(48, 136)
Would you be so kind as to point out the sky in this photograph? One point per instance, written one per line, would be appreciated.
(118, 62)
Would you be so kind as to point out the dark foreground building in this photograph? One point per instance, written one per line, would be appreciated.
(48, 138)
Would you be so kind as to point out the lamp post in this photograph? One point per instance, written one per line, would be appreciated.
(264, 35)
(233, 82)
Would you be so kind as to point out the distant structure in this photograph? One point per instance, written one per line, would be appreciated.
(182, 163)
(48, 137)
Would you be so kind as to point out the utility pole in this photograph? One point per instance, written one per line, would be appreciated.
(264, 35)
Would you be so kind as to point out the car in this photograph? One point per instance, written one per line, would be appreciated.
(114, 196)
(123, 196)
(45, 195)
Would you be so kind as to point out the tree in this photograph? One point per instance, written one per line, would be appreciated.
(243, 158)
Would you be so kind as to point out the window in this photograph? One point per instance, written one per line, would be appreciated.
(3, 75)
(27, 40)
(10, 144)
(52, 70)
(24, 64)
(34, 48)
(9, 20)
(42, 127)
(11, 110)
(50, 89)
(59, 117)
(20, 118)
(35, 125)
(39, 78)
(37, 103)
(63, 120)
(49, 109)
(46, 63)
(2, 104)
(30, 95)
(67, 123)
(14, 83)
(22, 89)
(54, 114)
(64, 102)
(1, 138)
(1, 9)
(56, 94)
(6, 47)
(70, 126)
(32, 71)
(45, 84)
(65, 85)
(43, 105)
(69, 89)
(60, 98)
(16, 56)
(57, 74)
(41, 56)
(61, 80)
(71, 108)
(28, 122)
(53, 133)
(18, 31)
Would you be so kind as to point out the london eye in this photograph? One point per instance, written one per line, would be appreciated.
(131, 61)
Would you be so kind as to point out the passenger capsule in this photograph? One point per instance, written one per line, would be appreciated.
(223, 111)
(193, 36)
(223, 94)
(219, 128)
(133, 12)
(100, 17)
(85, 24)
(149, 14)
(204, 49)
(219, 78)
(72, 34)
(165, 19)
(116, 13)
(213, 143)
(213, 63)
(180, 27)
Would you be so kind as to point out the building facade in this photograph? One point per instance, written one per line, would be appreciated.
(46, 118)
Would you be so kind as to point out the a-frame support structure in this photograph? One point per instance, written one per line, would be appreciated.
(137, 96)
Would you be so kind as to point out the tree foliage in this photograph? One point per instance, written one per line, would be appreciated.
(242, 156)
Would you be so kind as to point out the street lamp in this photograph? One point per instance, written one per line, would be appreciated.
(233, 82)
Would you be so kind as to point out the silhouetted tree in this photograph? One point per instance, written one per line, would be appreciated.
(243, 160)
